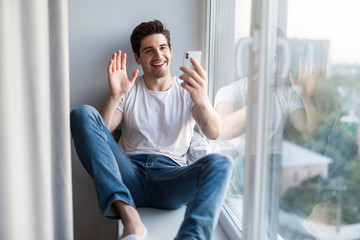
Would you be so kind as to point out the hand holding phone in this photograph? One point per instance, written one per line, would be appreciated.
(191, 54)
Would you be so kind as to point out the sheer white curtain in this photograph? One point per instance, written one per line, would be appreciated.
(35, 169)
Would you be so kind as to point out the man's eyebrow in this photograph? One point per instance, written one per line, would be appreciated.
(146, 48)
(150, 47)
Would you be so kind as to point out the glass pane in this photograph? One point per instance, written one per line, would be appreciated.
(229, 46)
(319, 175)
(314, 114)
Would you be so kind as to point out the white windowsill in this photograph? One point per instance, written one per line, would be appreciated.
(164, 224)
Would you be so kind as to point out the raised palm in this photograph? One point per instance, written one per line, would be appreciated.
(119, 83)
(305, 84)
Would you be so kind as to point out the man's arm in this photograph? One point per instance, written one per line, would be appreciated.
(306, 121)
(111, 115)
(119, 85)
(203, 112)
(233, 119)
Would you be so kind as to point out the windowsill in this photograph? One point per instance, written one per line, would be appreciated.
(164, 224)
(231, 221)
(231, 218)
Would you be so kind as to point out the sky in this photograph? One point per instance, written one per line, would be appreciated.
(336, 20)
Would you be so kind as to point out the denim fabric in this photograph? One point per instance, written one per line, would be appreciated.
(150, 180)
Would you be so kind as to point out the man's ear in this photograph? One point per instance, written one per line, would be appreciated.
(137, 59)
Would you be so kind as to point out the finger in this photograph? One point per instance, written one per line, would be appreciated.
(186, 70)
(186, 87)
(311, 65)
(301, 66)
(198, 68)
(110, 66)
(123, 62)
(118, 59)
(134, 75)
(113, 62)
(292, 79)
(306, 65)
(188, 80)
(315, 70)
(191, 73)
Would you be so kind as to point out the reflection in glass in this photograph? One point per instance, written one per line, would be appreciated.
(313, 131)
(223, 70)
(323, 200)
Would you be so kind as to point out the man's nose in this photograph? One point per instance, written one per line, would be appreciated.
(157, 53)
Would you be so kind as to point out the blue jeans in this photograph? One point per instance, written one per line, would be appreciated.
(150, 180)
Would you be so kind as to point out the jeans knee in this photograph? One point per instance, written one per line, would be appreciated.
(80, 116)
(80, 112)
(223, 160)
(221, 163)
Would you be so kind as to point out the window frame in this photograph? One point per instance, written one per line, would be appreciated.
(255, 165)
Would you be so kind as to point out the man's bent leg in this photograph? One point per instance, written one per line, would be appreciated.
(201, 185)
(202, 212)
(108, 165)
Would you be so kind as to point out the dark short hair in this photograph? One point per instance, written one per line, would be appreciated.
(145, 29)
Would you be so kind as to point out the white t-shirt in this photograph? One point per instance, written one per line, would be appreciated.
(157, 122)
(284, 101)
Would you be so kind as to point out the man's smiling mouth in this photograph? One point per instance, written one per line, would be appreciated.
(158, 64)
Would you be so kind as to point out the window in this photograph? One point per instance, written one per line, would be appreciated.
(285, 77)
(229, 34)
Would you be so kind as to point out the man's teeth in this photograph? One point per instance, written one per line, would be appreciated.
(158, 64)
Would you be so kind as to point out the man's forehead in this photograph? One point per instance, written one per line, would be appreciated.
(153, 40)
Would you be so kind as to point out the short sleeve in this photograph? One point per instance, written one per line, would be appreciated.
(235, 93)
(294, 101)
(121, 104)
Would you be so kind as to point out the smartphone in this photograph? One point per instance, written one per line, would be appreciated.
(191, 54)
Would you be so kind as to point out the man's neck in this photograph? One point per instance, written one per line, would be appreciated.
(158, 84)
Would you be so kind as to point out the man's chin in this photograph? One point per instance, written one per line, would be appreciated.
(160, 74)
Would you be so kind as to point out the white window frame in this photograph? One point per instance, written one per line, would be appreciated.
(254, 215)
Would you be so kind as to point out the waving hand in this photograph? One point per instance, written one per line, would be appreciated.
(119, 83)
(305, 84)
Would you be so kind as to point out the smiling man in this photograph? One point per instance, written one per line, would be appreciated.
(148, 167)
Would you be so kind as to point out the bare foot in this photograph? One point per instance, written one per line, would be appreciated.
(138, 230)
(130, 218)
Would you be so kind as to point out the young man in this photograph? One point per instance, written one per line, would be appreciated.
(157, 113)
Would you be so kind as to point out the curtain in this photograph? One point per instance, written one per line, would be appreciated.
(35, 160)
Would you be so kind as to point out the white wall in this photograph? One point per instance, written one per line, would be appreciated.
(97, 29)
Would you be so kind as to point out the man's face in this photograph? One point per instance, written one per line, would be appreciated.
(155, 56)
